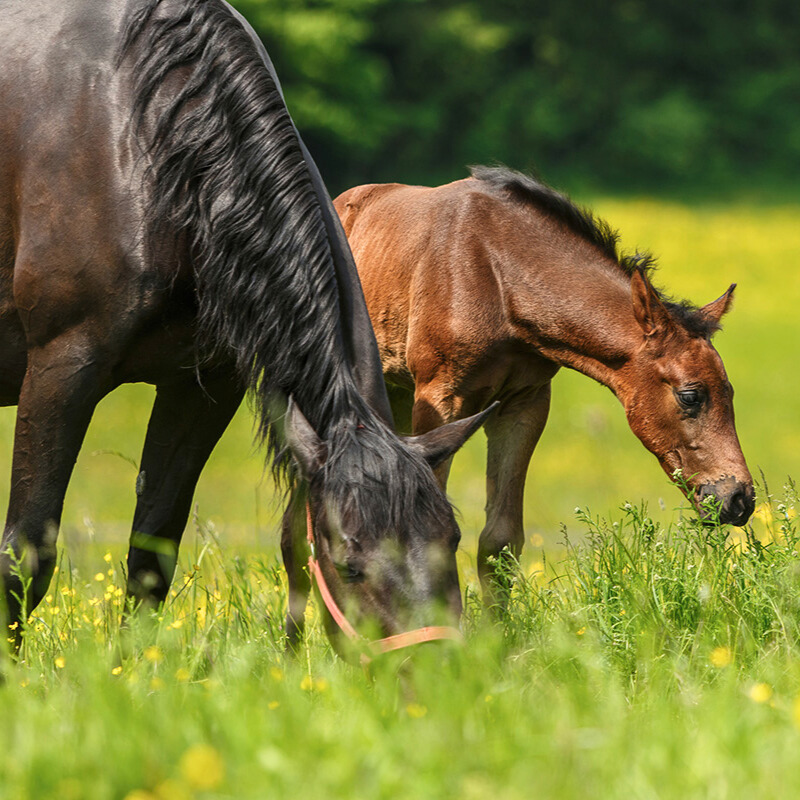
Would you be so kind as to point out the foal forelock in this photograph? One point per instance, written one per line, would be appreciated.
(375, 480)
(580, 221)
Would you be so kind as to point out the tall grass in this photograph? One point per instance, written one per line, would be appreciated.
(643, 661)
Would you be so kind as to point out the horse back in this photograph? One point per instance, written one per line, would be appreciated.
(72, 251)
(426, 259)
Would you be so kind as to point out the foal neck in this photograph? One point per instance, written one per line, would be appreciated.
(584, 319)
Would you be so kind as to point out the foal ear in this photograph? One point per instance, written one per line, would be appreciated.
(438, 445)
(722, 305)
(309, 451)
(647, 306)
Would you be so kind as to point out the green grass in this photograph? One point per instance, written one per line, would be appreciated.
(642, 659)
(646, 662)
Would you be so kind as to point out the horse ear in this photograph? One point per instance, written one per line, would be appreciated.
(647, 306)
(309, 451)
(438, 445)
(722, 305)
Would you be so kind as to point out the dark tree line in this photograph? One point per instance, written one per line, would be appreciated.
(626, 93)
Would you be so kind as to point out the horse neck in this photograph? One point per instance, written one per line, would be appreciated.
(578, 313)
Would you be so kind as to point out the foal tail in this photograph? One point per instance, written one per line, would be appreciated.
(276, 284)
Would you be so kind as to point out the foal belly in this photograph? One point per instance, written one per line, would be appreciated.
(506, 372)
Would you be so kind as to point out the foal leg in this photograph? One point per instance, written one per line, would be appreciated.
(512, 433)
(187, 421)
(64, 381)
(432, 409)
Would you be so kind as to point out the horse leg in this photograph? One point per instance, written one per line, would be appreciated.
(187, 420)
(512, 433)
(294, 545)
(64, 381)
(432, 410)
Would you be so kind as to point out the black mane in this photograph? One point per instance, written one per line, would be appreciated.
(229, 177)
(593, 229)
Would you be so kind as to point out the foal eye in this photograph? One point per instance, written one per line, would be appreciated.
(690, 399)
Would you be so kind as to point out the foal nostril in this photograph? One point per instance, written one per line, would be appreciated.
(739, 506)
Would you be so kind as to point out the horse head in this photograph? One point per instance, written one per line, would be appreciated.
(384, 534)
(679, 402)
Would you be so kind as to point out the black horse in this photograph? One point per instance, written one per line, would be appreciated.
(161, 221)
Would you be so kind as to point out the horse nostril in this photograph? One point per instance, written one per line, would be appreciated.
(739, 507)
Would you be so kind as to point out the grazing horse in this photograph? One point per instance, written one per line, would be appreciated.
(482, 289)
(162, 221)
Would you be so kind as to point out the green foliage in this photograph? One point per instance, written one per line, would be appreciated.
(626, 94)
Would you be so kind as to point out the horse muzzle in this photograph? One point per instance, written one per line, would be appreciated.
(733, 501)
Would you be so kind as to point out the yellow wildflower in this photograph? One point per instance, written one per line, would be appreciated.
(202, 767)
(154, 654)
(721, 657)
(760, 692)
(276, 673)
(171, 789)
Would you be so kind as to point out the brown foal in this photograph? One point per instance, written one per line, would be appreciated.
(481, 289)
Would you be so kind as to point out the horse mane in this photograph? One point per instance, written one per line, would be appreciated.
(229, 178)
(591, 228)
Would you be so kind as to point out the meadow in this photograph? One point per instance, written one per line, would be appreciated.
(641, 656)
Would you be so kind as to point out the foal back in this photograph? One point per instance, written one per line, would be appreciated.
(438, 268)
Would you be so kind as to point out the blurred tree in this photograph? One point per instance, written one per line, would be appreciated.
(628, 93)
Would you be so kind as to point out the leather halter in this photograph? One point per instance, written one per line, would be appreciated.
(387, 644)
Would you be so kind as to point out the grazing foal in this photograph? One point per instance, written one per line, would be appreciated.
(482, 289)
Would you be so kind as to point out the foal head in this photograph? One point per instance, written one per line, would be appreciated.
(679, 402)
(385, 535)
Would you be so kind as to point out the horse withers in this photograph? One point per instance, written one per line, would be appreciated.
(482, 289)
(162, 221)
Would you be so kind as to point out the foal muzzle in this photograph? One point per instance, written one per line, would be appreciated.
(733, 500)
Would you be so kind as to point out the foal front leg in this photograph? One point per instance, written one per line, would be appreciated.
(64, 381)
(512, 433)
(187, 420)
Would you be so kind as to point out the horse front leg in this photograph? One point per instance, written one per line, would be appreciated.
(187, 420)
(512, 433)
(64, 381)
(295, 551)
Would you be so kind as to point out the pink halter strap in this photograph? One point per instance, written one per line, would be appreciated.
(387, 644)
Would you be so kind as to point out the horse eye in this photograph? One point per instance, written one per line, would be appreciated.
(349, 573)
(690, 399)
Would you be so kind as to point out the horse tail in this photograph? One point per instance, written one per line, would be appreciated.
(230, 177)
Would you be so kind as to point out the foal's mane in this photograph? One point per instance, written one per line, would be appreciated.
(583, 223)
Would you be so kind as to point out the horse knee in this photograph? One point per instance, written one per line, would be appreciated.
(498, 537)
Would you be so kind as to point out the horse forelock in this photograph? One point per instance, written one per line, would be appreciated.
(375, 480)
(228, 175)
(593, 229)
